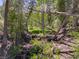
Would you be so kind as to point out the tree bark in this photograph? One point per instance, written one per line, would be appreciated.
(5, 35)
(42, 16)
(75, 10)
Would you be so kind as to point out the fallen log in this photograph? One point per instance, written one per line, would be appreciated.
(49, 37)
(66, 52)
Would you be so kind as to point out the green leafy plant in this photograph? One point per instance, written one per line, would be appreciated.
(14, 50)
(41, 49)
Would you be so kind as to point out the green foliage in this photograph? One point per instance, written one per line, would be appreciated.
(39, 1)
(76, 54)
(61, 5)
(41, 49)
(17, 23)
(39, 31)
(14, 50)
(57, 53)
(76, 48)
(75, 34)
(36, 31)
(1, 25)
(12, 22)
(61, 8)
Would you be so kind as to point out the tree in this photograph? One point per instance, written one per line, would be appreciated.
(49, 2)
(19, 20)
(75, 10)
(42, 16)
(61, 7)
(5, 35)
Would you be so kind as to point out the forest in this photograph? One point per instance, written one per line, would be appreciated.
(39, 29)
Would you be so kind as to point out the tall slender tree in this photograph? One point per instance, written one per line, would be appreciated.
(19, 22)
(75, 10)
(61, 7)
(42, 16)
(5, 36)
(49, 2)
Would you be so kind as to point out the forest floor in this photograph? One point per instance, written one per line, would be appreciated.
(67, 48)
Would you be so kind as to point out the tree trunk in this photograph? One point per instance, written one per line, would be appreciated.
(75, 10)
(63, 18)
(3, 50)
(49, 2)
(19, 25)
(42, 16)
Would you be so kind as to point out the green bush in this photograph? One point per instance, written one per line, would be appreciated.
(39, 48)
(14, 50)
(76, 54)
(38, 31)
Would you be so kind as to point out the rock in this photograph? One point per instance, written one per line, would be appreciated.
(26, 37)
(27, 46)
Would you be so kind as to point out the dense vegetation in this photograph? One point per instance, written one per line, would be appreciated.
(39, 29)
